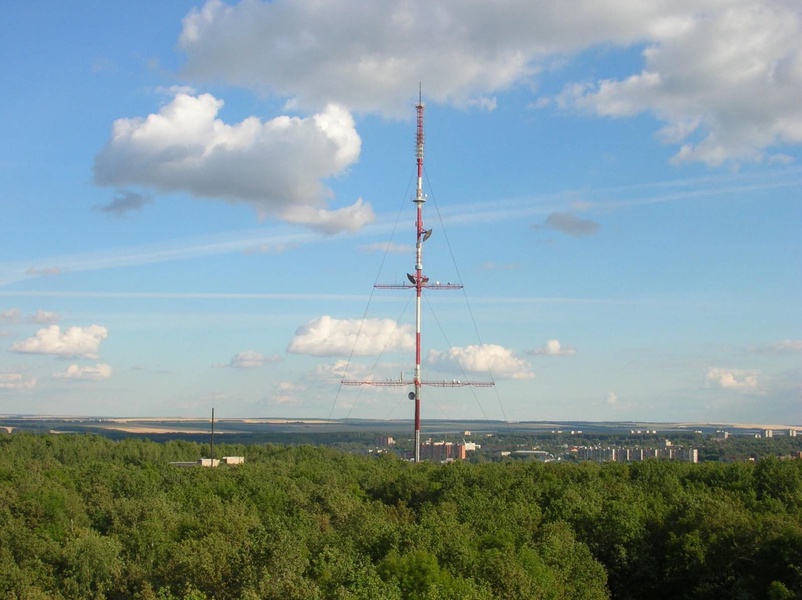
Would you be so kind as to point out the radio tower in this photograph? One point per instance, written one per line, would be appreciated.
(419, 282)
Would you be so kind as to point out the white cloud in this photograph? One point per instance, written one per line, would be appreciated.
(553, 348)
(369, 59)
(326, 336)
(342, 369)
(348, 218)
(12, 315)
(287, 392)
(74, 342)
(277, 166)
(705, 61)
(612, 398)
(488, 358)
(701, 78)
(99, 371)
(732, 379)
(338, 370)
(373, 58)
(16, 381)
(249, 359)
(44, 317)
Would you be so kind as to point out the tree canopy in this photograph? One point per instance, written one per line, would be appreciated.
(87, 517)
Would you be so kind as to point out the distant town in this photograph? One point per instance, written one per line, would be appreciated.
(445, 441)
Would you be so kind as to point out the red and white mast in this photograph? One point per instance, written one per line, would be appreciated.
(419, 282)
(420, 198)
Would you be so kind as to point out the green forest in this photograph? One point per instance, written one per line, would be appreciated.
(87, 517)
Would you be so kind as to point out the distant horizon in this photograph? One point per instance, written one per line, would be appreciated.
(312, 420)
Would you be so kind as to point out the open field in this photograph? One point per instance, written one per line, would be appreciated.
(256, 425)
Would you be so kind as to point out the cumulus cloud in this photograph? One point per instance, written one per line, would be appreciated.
(732, 379)
(249, 359)
(701, 76)
(569, 224)
(277, 166)
(612, 398)
(553, 348)
(327, 336)
(704, 62)
(16, 381)
(492, 358)
(94, 373)
(124, 202)
(370, 59)
(464, 52)
(74, 342)
(348, 218)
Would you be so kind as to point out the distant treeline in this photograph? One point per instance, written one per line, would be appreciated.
(334, 437)
(86, 517)
(505, 438)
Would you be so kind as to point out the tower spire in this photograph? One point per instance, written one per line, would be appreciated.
(419, 279)
(419, 282)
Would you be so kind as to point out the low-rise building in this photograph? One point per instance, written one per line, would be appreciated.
(442, 451)
(599, 454)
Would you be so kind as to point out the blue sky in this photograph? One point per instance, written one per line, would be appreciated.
(198, 198)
